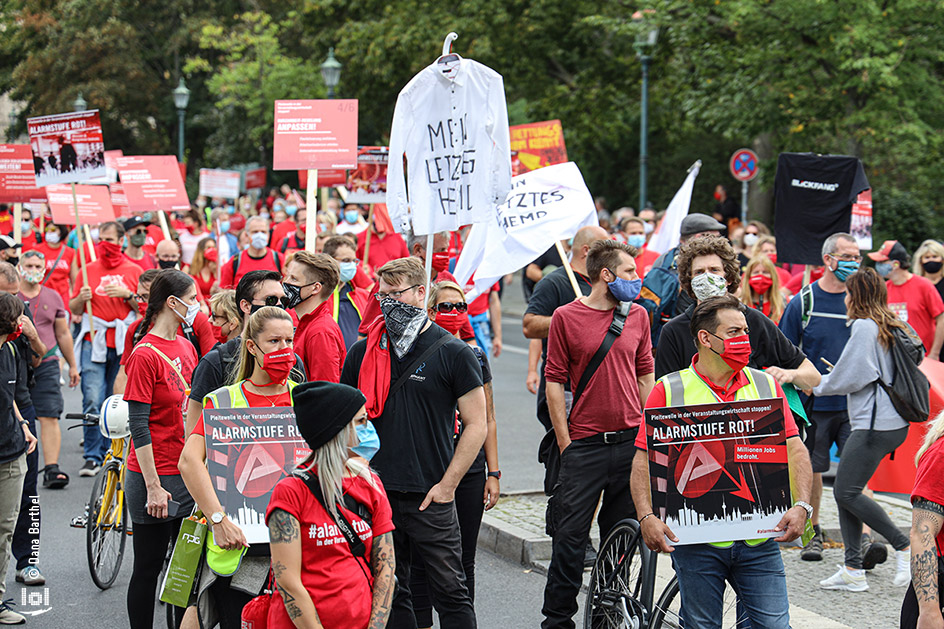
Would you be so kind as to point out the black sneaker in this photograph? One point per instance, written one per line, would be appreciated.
(873, 552)
(813, 551)
(90, 468)
(589, 556)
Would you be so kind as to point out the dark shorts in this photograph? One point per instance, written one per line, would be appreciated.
(825, 429)
(136, 497)
(46, 391)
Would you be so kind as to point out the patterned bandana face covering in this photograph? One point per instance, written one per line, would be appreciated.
(404, 323)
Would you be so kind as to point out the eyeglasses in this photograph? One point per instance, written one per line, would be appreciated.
(447, 306)
(395, 294)
(846, 257)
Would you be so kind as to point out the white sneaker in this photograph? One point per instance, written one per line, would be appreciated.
(844, 580)
(902, 568)
(8, 616)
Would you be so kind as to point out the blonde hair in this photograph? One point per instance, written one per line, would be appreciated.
(749, 297)
(436, 289)
(257, 323)
(761, 241)
(199, 260)
(223, 304)
(332, 460)
(407, 270)
(934, 432)
(928, 246)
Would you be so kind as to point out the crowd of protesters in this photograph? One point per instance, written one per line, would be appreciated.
(389, 374)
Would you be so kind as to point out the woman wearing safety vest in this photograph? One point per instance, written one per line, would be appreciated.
(265, 359)
(159, 372)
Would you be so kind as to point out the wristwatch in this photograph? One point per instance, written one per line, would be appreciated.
(806, 506)
(495, 475)
(217, 517)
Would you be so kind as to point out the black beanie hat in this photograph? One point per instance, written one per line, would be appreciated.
(323, 409)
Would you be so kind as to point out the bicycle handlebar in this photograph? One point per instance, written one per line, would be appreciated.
(87, 419)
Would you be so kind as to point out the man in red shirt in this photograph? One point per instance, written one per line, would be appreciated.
(309, 283)
(113, 280)
(258, 257)
(136, 232)
(292, 241)
(596, 438)
(913, 298)
(385, 244)
(285, 222)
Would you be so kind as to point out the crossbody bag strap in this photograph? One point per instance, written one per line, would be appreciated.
(416, 363)
(62, 250)
(166, 359)
(613, 332)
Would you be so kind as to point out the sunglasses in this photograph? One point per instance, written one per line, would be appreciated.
(447, 306)
(272, 300)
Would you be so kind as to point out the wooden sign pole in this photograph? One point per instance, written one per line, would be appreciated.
(311, 207)
(82, 262)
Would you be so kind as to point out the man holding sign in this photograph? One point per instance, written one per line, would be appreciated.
(718, 374)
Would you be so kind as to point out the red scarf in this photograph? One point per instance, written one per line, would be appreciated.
(374, 377)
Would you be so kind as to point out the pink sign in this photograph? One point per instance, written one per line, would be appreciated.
(67, 147)
(17, 178)
(312, 134)
(94, 204)
(119, 200)
(153, 182)
(255, 179)
(326, 177)
(219, 183)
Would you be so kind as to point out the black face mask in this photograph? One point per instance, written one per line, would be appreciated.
(167, 264)
(14, 261)
(931, 266)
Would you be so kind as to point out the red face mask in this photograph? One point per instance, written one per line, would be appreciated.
(110, 254)
(15, 334)
(142, 307)
(737, 351)
(452, 322)
(773, 257)
(440, 261)
(218, 333)
(760, 283)
(211, 255)
(278, 363)
(717, 196)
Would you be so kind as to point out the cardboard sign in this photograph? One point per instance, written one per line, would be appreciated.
(249, 450)
(536, 145)
(17, 177)
(719, 471)
(256, 179)
(315, 134)
(67, 147)
(119, 200)
(153, 182)
(219, 183)
(94, 204)
(326, 177)
(860, 225)
(368, 182)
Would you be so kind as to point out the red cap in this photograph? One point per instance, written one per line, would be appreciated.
(891, 250)
(237, 222)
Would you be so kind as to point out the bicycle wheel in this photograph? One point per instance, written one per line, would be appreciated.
(616, 581)
(667, 612)
(106, 526)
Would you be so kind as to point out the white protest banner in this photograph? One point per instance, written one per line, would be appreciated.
(543, 207)
(667, 234)
(220, 183)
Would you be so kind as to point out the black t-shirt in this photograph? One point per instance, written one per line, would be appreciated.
(551, 257)
(12, 440)
(348, 317)
(215, 369)
(418, 424)
(769, 347)
(478, 465)
(813, 196)
(728, 209)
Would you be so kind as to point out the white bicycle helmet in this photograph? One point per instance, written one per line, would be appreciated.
(113, 422)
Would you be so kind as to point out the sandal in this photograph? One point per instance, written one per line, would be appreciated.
(53, 478)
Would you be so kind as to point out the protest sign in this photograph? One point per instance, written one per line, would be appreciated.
(543, 207)
(94, 204)
(119, 200)
(368, 182)
(152, 182)
(667, 234)
(219, 183)
(719, 471)
(255, 179)
(326, 177)
(313, 134)
(17, 177)
(860, 225)
(536, 145)
(67, 148)
(111, 171)
(249, 450)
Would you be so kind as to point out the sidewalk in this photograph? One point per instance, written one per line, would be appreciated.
(514, 529)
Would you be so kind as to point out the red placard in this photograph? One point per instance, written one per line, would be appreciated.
(255, 179)
(119, 200)
(153, 182)
(315, 134)
(17, 178)
(94, 204)
(67, 147)
(536, 145)
(326, 177)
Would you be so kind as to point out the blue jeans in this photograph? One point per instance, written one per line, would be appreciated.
(755, 572)
(98, 381)
(483, 332)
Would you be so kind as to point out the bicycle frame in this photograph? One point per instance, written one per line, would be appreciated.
(113, 488)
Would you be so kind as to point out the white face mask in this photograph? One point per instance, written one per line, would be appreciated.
(708, 285)
(750, 240)
(648, 228)
(259, 240)
(192, 310)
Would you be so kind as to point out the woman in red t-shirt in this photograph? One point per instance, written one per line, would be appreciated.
(159, 372)
(318, 575)
(203, 267)
(266, 357)
(760, 288)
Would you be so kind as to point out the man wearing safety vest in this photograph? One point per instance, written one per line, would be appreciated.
(719, 373)
(348, 302)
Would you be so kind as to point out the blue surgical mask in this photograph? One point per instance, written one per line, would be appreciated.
(351, 216)
(224, 226)
(636, 240)
(259, 240)
(25, 226)
(348, 271)
(291, 209)
(369, 441)
(884, 269)
(845, 268)
(625, 290)
(230, 209)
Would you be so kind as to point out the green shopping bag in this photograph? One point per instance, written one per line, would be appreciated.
(182, 569)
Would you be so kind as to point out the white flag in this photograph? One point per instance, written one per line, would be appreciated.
(543, 207)
(667, 236)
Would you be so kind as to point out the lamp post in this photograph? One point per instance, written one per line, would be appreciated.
(79, 103)
(646, 38)
(331, 72)
(181, 98)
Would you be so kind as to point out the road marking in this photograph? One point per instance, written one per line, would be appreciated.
(515, 350)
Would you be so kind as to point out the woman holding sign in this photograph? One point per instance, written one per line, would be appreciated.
(266, 357)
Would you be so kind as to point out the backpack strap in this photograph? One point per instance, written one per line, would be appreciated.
(235, 262)
(416, 363)
(276, 260)
(806, 301)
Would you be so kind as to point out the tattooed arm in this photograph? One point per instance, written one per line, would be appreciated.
(286, 545)
(926, 520)
(382, 565)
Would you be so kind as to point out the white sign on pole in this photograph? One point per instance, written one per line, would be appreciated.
(219, 183)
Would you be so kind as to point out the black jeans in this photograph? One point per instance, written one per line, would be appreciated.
(469, 509)
(25, 545)
(150, 542)
(434, 533)
(587, 470)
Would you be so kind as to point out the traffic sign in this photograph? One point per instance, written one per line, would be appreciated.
(744, 164)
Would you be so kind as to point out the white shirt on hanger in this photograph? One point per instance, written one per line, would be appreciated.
(453, 131)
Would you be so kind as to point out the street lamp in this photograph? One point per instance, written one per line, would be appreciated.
(79, 103)
(181, 98)
(14, 118)
(331, 72)
(647, 34)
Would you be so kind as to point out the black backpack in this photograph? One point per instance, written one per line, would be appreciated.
(910, 389)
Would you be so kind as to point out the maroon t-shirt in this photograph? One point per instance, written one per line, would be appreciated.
(46, 308)
(611, 400)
